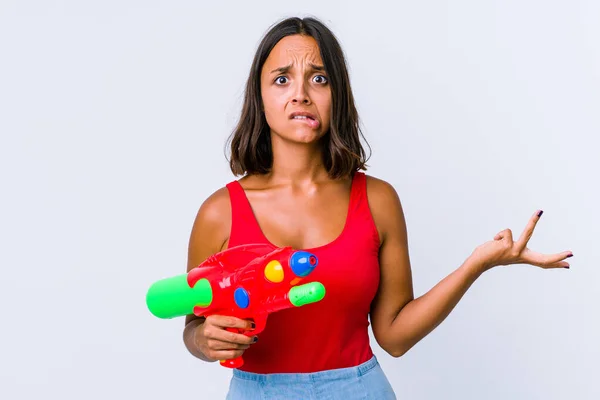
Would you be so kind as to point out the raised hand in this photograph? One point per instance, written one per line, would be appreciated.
(503, 250)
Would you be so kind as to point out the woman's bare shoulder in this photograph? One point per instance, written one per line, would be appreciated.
(215, 207)
(380, 190)
(384, 204)
(211, 227)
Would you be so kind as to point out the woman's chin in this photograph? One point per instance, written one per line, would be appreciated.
(304, 136)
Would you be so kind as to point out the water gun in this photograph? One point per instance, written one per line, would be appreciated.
(248, 282)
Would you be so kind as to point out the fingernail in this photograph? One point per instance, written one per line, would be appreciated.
(255, 339)
(567, 267)
(252, 325)
(540, 213)
(570, 255)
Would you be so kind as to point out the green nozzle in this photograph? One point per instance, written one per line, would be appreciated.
(306, 294)
(173, 297)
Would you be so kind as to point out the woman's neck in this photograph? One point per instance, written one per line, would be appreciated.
(297, 163)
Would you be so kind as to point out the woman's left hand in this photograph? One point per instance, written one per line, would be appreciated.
(504, 251)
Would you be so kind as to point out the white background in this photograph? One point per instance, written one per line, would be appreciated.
(113, 121)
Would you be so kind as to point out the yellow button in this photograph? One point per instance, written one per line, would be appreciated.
(274, 271)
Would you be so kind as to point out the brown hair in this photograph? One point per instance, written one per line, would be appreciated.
(250, 142)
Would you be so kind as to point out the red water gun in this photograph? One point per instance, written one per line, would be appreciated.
(247, 282)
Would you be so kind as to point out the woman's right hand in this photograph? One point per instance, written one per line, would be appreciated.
(217, 343)
(503, 250)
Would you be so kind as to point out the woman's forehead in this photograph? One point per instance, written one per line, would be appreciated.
(294, 49)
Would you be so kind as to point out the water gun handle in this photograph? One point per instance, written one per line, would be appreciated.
(260, 321)
(234, 362)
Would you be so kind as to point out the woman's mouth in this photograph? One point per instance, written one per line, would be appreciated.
(313, 123)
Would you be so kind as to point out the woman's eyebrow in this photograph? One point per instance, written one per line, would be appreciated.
(283, 70)
(316, 67)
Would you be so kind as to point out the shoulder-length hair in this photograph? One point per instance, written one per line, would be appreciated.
(250, 141)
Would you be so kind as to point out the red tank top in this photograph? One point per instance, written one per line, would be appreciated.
(332, 333)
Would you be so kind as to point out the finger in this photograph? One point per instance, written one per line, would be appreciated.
(528, 231)
(231, 337)
(225, 354)
(505, 234)
(227, 321)
(214, 344)
(560, 264)
(544, 260)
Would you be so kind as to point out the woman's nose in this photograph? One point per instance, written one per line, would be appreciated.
(300, 95)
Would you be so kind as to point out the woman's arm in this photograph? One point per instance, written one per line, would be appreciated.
(210, 232)
(399, 321)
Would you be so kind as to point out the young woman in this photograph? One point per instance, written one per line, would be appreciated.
(298, 148)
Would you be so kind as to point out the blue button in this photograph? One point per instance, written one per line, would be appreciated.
(241, 297)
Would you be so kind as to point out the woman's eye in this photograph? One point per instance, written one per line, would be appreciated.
(320, 79)
(280, 80)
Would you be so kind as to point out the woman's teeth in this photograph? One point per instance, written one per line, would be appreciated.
(312, 123)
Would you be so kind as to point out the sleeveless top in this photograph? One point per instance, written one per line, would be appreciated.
(332, 333)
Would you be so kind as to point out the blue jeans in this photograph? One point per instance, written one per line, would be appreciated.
(365, 381)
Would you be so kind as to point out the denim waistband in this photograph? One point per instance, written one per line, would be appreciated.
(339, 373)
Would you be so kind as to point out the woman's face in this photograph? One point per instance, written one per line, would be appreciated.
(293, 80)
